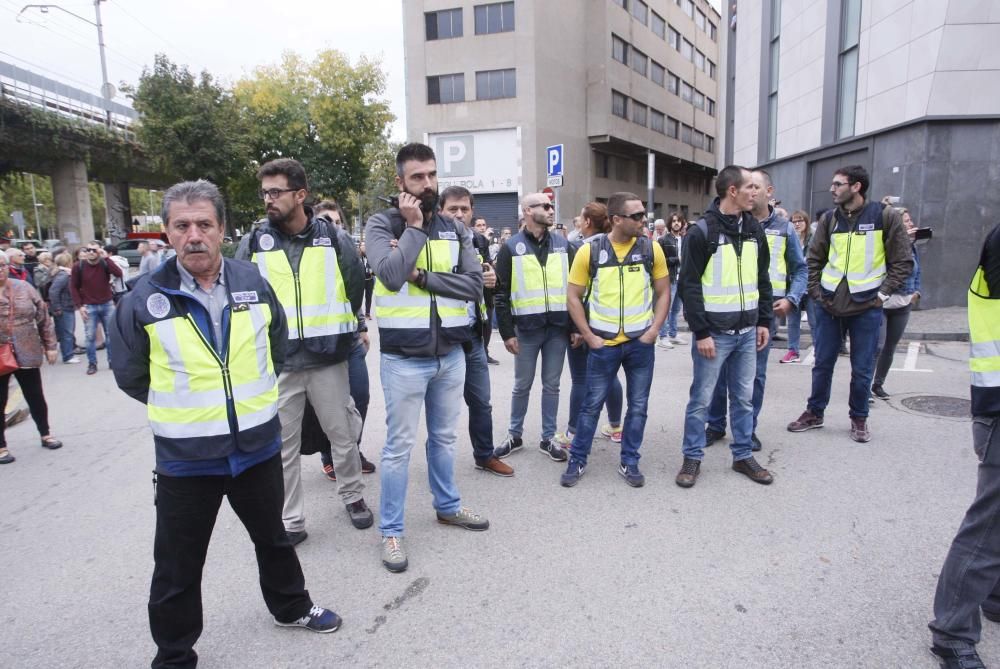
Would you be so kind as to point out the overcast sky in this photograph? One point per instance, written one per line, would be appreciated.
(228, 38)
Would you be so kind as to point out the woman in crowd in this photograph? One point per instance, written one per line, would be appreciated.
(895, 315)
(677, 226)
(800, 221)
(62, 308)
(594, 222)
(25, 324)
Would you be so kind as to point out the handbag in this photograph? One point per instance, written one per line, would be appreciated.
(8, 363)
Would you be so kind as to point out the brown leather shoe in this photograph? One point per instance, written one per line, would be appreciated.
(688, 474)
(496, 466)
(807, 421)
(753, 471)
(859, 430)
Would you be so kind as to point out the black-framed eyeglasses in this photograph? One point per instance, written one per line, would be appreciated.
(274, 193)
(637, 216)
(547, 206)
(839, 184)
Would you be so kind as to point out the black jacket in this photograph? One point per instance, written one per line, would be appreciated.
(697, 256)
(669, 245)
(482, 247)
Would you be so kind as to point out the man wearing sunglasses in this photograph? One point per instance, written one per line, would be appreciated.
(315, 272)
(91, 289)
(532, 269)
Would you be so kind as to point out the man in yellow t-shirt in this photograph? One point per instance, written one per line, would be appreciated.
(623, 277)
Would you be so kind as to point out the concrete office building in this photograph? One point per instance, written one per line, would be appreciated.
(908, 88)
(490, 85)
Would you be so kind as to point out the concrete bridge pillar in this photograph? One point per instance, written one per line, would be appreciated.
(119, 210)
(72, 195)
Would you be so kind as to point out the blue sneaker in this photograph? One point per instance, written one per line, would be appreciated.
(572, 474)
(632, 475)
(509, 445)
(318, 619)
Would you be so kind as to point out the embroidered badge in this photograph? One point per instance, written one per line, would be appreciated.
(245, 296)
(636, 257)
(322, 241)
(266, 242)
(158, 305)
(520, 248)
(866, 227)
(447, 234)
(603, 257)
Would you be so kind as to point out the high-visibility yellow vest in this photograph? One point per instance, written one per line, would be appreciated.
(984, 337)
(729, 282)
(621, 293)
(409, 308)
(192, 388)
(858, 255)
(777, 240)
(315, 298)
(537, 289)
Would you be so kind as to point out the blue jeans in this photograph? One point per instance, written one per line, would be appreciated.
(104, 312)
(577, 358)
(830, 330)
(477, 398)
(636, 358)
(739, 350)
(65, 324)
(716, 418)
(669, 327)
(795, 325)
(551, 343)
(409, 383)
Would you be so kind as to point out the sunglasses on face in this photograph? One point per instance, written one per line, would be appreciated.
(547, 206)
(637, 216)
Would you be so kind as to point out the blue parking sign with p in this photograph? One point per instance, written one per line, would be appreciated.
(554, 160)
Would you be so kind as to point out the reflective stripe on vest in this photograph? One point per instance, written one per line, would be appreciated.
(536, 289)
(729, 282)
(410, 306)
(316, 306)
(190, 387)
(984, 333)
(778, 268)
(864, 267)
(621, 294)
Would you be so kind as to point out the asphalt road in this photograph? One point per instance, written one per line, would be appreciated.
(834, 565)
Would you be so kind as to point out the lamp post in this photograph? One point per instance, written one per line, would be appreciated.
(107, 90)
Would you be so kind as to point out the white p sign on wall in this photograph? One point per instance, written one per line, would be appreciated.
(456, 155)
(554, 160)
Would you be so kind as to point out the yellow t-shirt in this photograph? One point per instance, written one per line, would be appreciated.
(579, 273)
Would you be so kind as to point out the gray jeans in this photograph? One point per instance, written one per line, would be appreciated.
(551, 343)
(970, 577)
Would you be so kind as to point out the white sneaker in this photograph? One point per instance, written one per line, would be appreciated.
(663, 342)
(72, 361)
(679, 341)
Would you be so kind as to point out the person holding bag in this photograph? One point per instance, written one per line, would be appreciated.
(26, 337)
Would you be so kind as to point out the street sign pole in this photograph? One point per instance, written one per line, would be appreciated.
(650, 195)
(554, 161)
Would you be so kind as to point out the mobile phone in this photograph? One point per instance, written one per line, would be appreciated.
(392, 201)
(922, 233)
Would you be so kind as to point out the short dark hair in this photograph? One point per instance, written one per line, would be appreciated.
(413, 151)
(731, 175)
(191, 191)
(616, 203)
(856, 174)
(330, 205)
(111, 250)
(456, 193)
(290, 168)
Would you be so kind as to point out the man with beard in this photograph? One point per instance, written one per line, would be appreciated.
(426, 273)
(485, 247)
(859, 256)
(457, 202)
(91, 289)
(532, 271)
(726, 289)
(215, 326)
(315, 272)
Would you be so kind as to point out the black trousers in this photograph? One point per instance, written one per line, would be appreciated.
(893, 324)
(30, 381)
(186, 508)
(369, 291)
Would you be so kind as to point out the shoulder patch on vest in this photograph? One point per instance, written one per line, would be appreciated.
(603, 257)
(158, 305)
(447, 234)
(772, 231)
(866, 227)
(636, 257)
(520, 248)
(245, 296)
(322, 241)
(266, 242)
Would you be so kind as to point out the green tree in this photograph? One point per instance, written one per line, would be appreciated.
(191, 126)
(326, 113)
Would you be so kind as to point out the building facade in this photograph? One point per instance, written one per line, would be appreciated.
(490, 85)
(910, 89)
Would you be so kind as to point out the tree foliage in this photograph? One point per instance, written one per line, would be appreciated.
(326, 113)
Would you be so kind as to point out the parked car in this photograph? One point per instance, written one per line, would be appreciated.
(129, 249)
